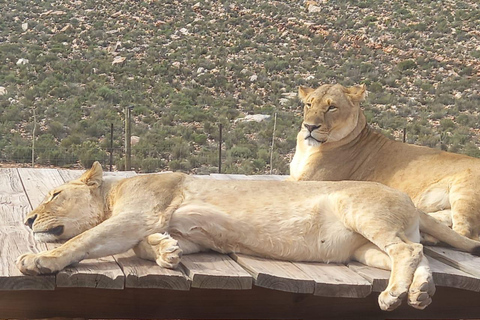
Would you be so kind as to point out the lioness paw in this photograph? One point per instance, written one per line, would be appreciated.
(167, 251)
(421, 291)
(388, 300)
(33, 264)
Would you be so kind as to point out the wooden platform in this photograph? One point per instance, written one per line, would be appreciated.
(207, 285)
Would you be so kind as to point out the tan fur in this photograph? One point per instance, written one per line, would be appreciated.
(297, 221)
(443, 184)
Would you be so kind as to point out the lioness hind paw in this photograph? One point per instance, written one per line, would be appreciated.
(388, 302)
(420, 297)
(167, 251)
(170, 258)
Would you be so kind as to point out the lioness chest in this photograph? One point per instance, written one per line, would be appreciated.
(265, 218)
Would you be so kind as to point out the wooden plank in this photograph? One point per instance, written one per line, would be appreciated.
(377, 277)
(277, 275)
(15, 241)
(218, 176)
(14, 236)
(336, 280)
(215, 271)
(105, 272)
(68, 175)
(459, 260)
(102, 273)
(140, 273)
(38, 182)
(447, 276)
(14, 205)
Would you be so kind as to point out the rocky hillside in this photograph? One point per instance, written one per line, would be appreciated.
(69, 68)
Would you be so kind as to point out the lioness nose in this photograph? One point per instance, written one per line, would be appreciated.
(311, 127)
(30, 221)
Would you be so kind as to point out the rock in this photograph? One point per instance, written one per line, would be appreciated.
(200, 70)
(254, 117)
(22, 61)
(253, 78)
(118, 60)
(134, 140)
(3, 91)
(25, 26)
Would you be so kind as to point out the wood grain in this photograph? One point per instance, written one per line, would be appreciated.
(142, 273)
(459, 260)
(336, 280)
(215, 271)
(15, 239)
(377, 277)
(278, 275)
(447, 276)
(14, 204)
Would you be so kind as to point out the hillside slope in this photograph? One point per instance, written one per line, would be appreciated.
(186, 66)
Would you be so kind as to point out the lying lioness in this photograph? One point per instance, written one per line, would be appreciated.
(297, 221)
(335, 143)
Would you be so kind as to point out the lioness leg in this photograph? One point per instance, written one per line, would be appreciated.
(405, 259)
(370, 255)
(113, 236)
(443, 216)
(465, 204)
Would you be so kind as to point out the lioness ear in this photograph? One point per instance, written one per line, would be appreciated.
(303, 92)
(357, 93)
(93, 176)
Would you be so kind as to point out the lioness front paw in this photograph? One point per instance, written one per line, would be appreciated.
(33, 264)
(168, 253)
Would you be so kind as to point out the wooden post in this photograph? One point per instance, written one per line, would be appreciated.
(220, 126)
(33, 136)
(128, 134)
(404, 135)
(273, 141)
(111, 146)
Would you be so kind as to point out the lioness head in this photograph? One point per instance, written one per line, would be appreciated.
(69, 209)
(331, 112)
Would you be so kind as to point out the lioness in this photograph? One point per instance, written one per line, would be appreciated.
(335, 143)
(297, 221)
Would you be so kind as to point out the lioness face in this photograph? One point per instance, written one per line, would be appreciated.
(68, 210)
(331, 112)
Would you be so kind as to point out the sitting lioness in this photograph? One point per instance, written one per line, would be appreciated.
(335, 143)
(297, 221)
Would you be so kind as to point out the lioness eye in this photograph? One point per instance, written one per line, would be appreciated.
(54, 195)
(332, 108)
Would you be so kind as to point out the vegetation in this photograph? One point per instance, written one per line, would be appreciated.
(188, 66)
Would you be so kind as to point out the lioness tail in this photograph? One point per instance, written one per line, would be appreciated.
(443, 233)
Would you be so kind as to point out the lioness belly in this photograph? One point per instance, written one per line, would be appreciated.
(264, 223)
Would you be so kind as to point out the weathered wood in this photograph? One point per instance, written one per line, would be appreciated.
(14, 204)
(38, 182)
(377, 277)
(14, 236)
(459, 260)
(15, 241)
(102, 273)
(336, 280)
(278, 275)
(140, 273)
(447, 276)
(215, 271)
